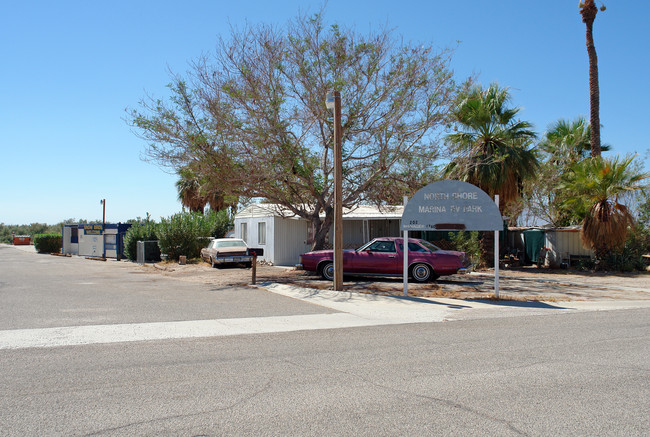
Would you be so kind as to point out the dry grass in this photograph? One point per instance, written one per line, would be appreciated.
(522, 285)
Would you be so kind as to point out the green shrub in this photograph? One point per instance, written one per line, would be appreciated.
(630, 257)
(184, 234)
(586, 264)
(48, 243)
(469, 243)
(222, 221)
(142, 232)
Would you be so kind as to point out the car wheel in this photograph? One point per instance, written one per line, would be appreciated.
(422, 273)
(327, 271)
(248, 265)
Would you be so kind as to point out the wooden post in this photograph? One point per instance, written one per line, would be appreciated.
(254, 266)
(338, 196)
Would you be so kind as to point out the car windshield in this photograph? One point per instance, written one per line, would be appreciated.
(364, 246)
(233, 243)
(378, 246)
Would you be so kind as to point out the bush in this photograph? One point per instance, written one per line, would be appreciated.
(222, 221)
(142, 232)
(48, 243)
(469, 243)
(184, 234)
(629, 258)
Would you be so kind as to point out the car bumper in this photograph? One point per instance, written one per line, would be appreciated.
(233, 259)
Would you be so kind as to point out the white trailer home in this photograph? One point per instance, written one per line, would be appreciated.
(284, 236)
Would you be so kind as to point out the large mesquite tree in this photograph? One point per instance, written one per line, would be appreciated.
(252, 115)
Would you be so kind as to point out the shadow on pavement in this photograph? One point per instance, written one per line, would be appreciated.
(519, 304)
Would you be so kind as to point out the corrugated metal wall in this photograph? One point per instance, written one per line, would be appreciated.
(289, 241)
(565, 243)
(352, 234)
(252, 236)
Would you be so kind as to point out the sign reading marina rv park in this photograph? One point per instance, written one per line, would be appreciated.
(92, 229)
(451, 206)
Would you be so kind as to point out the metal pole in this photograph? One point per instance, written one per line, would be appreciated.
(406, 254)
(104, 228)
(496, 255)
(338, 196)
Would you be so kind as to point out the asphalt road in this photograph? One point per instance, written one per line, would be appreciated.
(564, 373)
(42, 291)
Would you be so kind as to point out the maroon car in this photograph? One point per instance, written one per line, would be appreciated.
(384, 257)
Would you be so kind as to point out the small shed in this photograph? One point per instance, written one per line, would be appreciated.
(559, 244)
(284, 236)
(90, 239)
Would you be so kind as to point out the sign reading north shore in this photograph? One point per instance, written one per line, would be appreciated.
(92, 229)
(451, 206)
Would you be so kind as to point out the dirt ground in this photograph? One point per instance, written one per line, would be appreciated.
(514, 284)
(528, 283)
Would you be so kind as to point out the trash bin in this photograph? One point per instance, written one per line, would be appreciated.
(22, 240)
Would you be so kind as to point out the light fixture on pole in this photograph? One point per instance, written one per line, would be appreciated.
(103, 203)
(333, 102)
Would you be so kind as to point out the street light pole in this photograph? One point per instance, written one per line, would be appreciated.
(334, 102)
(103, 202)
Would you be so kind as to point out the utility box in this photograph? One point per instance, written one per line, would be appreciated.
(22, 240)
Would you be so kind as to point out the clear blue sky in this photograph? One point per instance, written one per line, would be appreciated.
(70, 68)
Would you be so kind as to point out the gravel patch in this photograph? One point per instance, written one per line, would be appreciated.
(519, 284)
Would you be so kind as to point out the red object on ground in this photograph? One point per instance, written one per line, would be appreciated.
(22, 240)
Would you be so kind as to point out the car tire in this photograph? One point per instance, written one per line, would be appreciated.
(422, 273)
(327, 271)
(248, 265)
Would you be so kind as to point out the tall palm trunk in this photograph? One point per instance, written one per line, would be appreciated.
(588, 12)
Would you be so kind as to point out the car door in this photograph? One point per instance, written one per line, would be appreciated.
(380, 257)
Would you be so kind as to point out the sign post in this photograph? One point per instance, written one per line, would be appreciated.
(452, 206)
(496, 254)
(406, 254)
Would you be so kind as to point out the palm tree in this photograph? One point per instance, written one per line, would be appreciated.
(490, 145)
(564, 144)
(195, 192)
(588, 10)
(216, 197)
(567, 142)
(189, 187)
(490, 148)
(599, 183)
